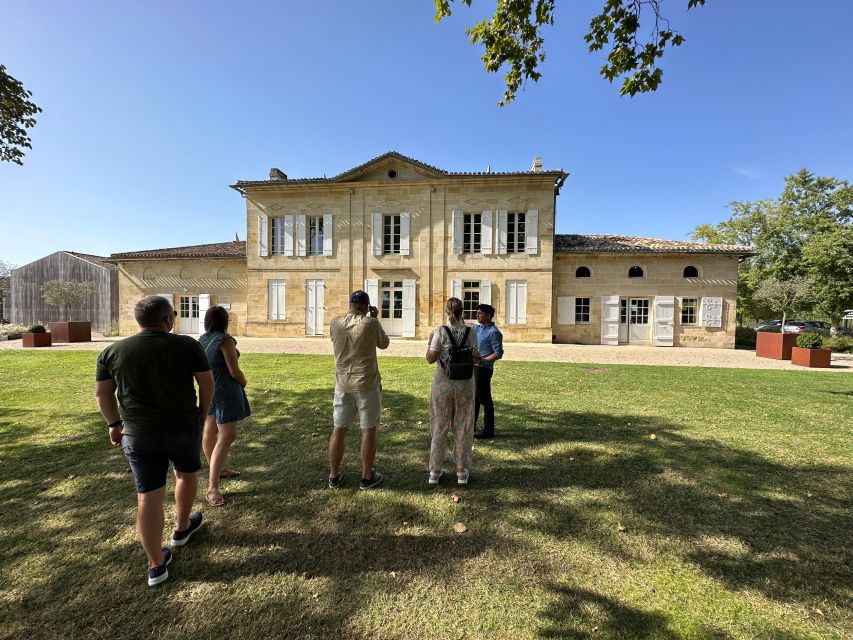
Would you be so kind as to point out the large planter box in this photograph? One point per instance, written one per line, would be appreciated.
(30, 340)
(71, 331)
(774, 345)
(817, 358)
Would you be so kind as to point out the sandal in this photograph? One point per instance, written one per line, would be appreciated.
(214, 498)
(229, 473)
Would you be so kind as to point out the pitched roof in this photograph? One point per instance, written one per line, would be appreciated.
(394, 155)
(99, 261)
(605, 243)
(233, 249)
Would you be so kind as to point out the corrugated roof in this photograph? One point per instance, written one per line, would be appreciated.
(577, 243)
(436, 171)
(233, 249)
(100, 261)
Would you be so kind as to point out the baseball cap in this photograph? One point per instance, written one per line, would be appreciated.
(359, 297)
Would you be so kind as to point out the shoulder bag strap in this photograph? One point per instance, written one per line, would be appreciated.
(450, 336)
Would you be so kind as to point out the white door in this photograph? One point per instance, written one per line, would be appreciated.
(314, 316)
(391, 306)
(188, 315)
(638, 320)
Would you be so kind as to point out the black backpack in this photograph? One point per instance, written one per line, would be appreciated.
(461, 364)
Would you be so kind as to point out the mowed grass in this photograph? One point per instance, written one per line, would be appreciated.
(617, 502)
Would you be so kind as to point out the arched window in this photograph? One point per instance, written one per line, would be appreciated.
(582, 272)
(635, 272)
(691, 272)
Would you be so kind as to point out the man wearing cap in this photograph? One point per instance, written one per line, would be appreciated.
(490, 346)
(358, 390)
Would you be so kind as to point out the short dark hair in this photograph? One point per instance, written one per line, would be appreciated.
(486, 308)
(359, 297)
(216, 319)
(151, 310)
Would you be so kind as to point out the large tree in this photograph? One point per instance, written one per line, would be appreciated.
(513, 37)
(807, 232)
(17, 114)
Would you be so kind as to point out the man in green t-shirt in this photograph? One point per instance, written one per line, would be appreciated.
(157, 420)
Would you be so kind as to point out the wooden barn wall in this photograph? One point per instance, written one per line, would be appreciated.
(28, 306)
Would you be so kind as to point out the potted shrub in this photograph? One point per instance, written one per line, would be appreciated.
(36, 336)
(809, 351)
(66, 293)
(784, 296)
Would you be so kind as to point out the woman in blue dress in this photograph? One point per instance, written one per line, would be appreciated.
(230, 404)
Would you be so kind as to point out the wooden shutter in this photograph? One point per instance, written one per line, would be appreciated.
(275, 299)
(301, 235)
(405, 233)
(408, 308)
(501, 231)
(458, 218)
(328, 231)
(485, 292)
(531, 231)
(288, 236)
(712, 312)
(310, 305)
(521, 302)
(610, 320)
(377, 235)
(371, 287)
(263, 236)
(456, 289)
(565, 309)
(486, 233)
(203, 306)
(320, 300)
(664, 310)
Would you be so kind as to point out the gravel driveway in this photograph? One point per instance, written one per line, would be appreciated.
(592, 354)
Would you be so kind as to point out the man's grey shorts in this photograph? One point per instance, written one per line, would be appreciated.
(366, 404)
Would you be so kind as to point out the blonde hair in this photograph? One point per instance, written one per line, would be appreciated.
(454, 308)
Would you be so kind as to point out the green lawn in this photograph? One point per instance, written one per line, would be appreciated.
(734, 521)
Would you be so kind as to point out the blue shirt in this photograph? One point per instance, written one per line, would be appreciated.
(489, 340)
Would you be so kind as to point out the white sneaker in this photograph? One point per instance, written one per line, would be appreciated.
(435, 476)
(462, 477)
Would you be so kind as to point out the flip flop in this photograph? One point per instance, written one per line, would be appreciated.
(214, 498)
(229, 473)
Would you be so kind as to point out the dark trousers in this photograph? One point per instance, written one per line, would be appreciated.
(483, 381)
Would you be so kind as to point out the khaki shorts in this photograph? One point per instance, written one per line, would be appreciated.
(366, 404)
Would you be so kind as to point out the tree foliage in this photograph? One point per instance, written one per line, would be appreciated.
(17, 114)
(785, 296)
(5, 278)
(66, 293)
(513, 36)
(807, 232)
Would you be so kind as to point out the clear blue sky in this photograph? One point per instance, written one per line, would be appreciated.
(151, 109)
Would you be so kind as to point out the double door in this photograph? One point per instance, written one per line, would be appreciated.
(188, 314)
(634, 320)
(391, 306)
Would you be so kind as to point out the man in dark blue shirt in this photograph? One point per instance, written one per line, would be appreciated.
(490, 346)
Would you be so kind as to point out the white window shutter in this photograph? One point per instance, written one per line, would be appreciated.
(377, 234)
(521, 302)
(511, 313)
(501, 230)
(328, 231)
(712, 312)
(371, 287)
(485, 292)
(610, 320)
(456, 289)
(408, 308)
(486, 233)
(309, 307)
(565, 309)
(288, 236)
(664, 321)
(301, 249)
(275, 299)
(405, 233)
(531, 231)
(263, 236)
(458, 231)
(203, 306)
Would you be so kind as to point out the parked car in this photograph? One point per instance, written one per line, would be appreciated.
(804, 326)
(768, 325)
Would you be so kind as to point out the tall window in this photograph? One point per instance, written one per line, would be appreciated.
(470, 298)
(391, 234)
(277, 237)
(515, 234)
(688, 310)
(582, 310)
(392, 299)
(471, 232)
(275, 299)
(315, 236)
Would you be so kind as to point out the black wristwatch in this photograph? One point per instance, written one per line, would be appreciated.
(114, 424)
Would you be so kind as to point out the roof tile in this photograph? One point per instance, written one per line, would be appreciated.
(233, 249)
(577, 243)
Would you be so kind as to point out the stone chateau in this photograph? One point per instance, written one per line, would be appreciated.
(412, 235)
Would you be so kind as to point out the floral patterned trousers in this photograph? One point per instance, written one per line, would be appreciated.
(451, 408)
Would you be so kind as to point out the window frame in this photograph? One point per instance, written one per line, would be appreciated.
(588, 272)
(394, 221)
(690, 266)
(583, 310)
(318, 239)
(516, 241)
(471, 287)
(472, 227)
(694, 309)
(636, 266)
(277, 235)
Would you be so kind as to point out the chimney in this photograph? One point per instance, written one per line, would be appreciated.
(277, 174)
(537, 165)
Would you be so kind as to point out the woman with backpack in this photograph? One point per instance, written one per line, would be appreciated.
(453, 346)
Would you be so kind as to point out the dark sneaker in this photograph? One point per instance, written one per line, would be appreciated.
(374, 479)
(335, 481)
(161, 573)
(180, 538)
(482, 435)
